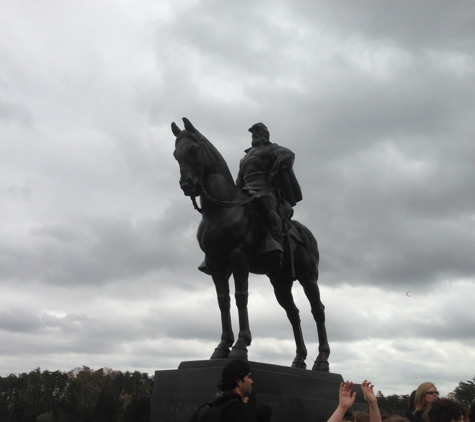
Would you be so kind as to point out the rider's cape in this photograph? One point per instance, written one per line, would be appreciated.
(288, 184)
(286, 179)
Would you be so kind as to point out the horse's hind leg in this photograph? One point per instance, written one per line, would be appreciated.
(221, 282)
(283, 293)
(312, 292)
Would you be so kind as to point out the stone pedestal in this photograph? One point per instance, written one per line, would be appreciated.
(293, 394)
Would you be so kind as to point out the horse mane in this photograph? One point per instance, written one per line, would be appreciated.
(223, 166)
(216, 161)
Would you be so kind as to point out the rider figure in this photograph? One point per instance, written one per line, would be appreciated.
(266, 169)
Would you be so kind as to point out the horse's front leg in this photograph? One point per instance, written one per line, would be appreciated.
(240, 269)
(221, 281)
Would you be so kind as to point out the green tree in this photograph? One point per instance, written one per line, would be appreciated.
(465, 392)
(81, 395)
(393, 405)
(138, 410)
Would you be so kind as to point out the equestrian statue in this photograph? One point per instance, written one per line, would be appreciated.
(247, 227)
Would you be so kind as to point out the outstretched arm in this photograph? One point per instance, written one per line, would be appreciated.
(345, 401)
(374, 414)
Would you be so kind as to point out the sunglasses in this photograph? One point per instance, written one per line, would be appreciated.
(433, 392)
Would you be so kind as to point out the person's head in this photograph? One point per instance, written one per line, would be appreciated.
(348, 416)
(360, 417)
(447, 410)
(260, 134)
(471, 412)
(426, 394)
(236, 376)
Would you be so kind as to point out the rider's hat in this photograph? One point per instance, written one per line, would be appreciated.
(258, 125)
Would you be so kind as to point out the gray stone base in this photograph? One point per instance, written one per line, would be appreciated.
(293, 394)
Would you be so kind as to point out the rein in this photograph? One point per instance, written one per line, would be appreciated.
(226, 204)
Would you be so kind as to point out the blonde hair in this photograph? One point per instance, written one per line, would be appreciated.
(419, 401)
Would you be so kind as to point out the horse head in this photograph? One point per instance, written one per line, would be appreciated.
(193, 157)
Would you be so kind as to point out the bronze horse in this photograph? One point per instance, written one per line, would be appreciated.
(229, 234)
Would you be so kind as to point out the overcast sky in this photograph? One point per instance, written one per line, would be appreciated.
(98, 255)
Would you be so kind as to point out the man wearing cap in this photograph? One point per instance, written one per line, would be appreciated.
(266, 169)
(236, 386)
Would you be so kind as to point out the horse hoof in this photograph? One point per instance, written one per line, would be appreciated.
(299, 364)
(220, 353)
(238, 353)
(321, 366)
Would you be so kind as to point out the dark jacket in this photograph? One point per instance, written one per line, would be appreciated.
(415, 416)
(271, 161)
(239, 412)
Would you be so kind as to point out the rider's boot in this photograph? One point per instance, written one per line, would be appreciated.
(277, 235)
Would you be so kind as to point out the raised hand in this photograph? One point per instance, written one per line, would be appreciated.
(346, 398)
(374, 413)
(368, 392)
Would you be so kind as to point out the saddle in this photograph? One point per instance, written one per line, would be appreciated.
(268, 253)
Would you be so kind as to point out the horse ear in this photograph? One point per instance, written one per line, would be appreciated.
(188, 126)
(175, 129)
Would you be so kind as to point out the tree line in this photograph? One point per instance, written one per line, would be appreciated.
(80, 395)
(104, 395)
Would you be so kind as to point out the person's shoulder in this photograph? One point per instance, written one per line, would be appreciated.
(223, 398)
(273, 147)
(276, 147)
(235, 410)
(241, 412)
